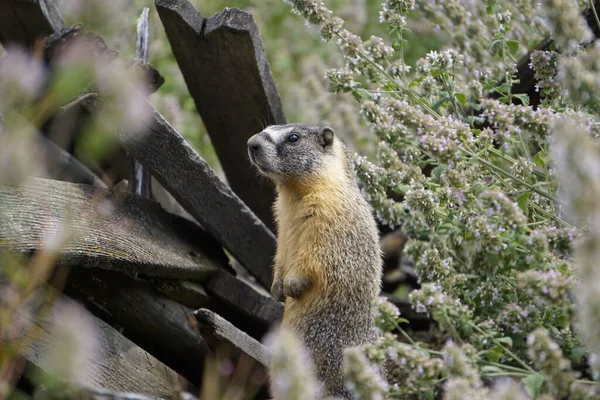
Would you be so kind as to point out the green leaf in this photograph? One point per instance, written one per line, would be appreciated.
(428, 395)
(513, 46)
(522, 202)
(461, 97)
(398, 44)
(494, 43)
(523, 97)
(540, 159)
(437, 171)
(533, 384)
(506, 340)
(361, 93)
(494, 354)
(390, 86)
(491, 368)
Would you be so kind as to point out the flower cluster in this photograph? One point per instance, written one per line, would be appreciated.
(547, 357)
(409, 369)
(473, 175)
(394, 13)
(579, 77)
(463, 374)
(292, 376)
(386, 315)
(443, 308)
(578, 159)
(549, 287)
(364, 379)
(568, 27)
(545, 66)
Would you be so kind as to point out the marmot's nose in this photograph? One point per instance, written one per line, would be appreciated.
(253, 144)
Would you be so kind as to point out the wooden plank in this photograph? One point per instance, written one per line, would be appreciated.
(117, 363)
(24, 22)
(156, 323)
(191, 181)
(190, 294)
(61, 165)
(234, 293)
(110, 230)
(227, 73)
(218, 331)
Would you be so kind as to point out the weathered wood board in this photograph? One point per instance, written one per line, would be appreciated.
(24, 22)
(118, 364)
(107, 230)
(217, 331)
(262, 309)
(190, 294)
(227, 73)
(191, 181)
(156, 323)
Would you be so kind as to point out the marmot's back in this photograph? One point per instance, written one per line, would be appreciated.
(328, 261)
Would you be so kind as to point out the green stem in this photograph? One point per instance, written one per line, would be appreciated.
(492, 374)
(508, 367)
(586, 382)
(405, 334)
(506, 349)
(511, 176)
(404, 90)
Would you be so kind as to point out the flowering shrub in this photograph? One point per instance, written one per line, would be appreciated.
(487, 187)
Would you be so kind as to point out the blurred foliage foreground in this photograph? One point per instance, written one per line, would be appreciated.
(499, 196)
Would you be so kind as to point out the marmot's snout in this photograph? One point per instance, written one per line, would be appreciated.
(253, 147)
(260, 152)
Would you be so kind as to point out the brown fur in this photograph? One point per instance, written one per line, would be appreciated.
(328, 256)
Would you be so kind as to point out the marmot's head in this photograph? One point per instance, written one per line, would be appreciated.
(288, 152)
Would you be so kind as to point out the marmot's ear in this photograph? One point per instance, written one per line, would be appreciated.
(326, 136)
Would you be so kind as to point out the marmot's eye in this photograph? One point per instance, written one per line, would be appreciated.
(293, 138)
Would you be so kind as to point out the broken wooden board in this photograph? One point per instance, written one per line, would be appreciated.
(227, 73)
(156, 323)
(217, 332)
(114, 362)
(234, 293)
(63, 166)
(190, 294)
(25, 22)
(82, 393)
(191, 181)
(106, 230)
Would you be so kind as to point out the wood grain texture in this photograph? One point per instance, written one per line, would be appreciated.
(108, 230)
(117, 365)
(232, 292)
(227, 73)
(191, 181)
(218, 331)
(156, 323)
(24, 22)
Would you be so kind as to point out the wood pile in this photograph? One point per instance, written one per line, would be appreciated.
(154, 275)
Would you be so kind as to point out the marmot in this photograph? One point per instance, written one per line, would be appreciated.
(328, 263)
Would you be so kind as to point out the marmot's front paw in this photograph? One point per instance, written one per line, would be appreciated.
(296, 285)
(277, 290)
